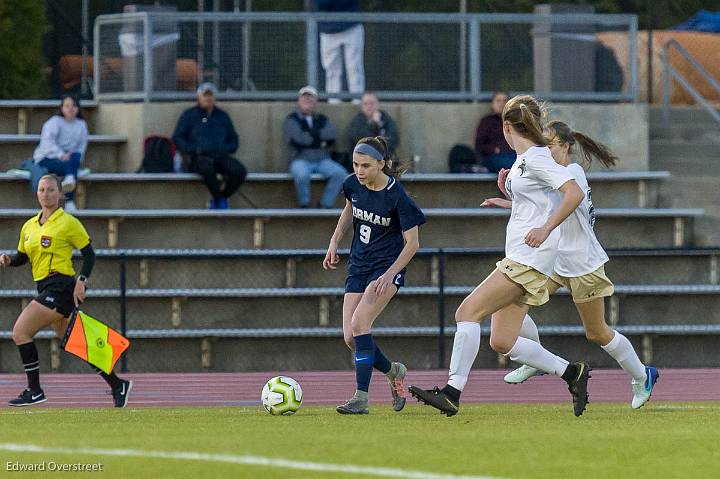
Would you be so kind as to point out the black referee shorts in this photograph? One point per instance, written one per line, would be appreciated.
(56, 292)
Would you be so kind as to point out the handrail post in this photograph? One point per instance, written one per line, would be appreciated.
(311, 51)
(123, 307)
(441, 309)
(666, 86)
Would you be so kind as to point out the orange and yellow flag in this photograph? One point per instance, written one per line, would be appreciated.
(94, 342)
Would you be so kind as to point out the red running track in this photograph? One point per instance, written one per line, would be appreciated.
(334, 387)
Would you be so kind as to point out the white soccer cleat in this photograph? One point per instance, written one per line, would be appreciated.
(642, 390)
(522, 374)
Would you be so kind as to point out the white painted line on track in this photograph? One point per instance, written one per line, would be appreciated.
(245, 460)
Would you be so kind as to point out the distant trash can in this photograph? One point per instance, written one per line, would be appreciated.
(163, 42)
(564, 54)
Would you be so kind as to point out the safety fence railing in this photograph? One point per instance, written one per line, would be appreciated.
(443, 57)
(196, 294)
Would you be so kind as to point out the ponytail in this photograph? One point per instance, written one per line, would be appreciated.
(527, 117)
(590, 149)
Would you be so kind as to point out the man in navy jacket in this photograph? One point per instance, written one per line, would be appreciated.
(206, 137)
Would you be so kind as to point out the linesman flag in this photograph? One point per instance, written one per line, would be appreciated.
(94, 342)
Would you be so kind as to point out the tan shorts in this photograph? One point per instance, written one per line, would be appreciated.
(533, 281)
(587, 287)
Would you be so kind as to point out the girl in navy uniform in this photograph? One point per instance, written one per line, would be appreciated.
(385, 238)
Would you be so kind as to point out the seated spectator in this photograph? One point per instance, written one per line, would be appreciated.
(63, 142)
(372, 121)
(310, 136)
(206, 138)
(489, 139)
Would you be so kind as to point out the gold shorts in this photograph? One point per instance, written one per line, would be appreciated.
(533, 281)
(587, 287)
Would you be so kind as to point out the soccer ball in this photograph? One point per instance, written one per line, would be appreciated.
(282, 396)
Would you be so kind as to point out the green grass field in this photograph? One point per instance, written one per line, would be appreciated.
(662, 440)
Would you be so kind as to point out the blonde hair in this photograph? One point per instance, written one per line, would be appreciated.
(561, 134)
(58, 182)
(527, 116)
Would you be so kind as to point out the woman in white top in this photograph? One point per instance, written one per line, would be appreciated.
(580, 267)
(544, 195)
(63, 142)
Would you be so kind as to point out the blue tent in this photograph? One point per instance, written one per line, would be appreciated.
(702, 21)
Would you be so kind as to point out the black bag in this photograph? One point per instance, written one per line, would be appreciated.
(462, 159)
(159, 155)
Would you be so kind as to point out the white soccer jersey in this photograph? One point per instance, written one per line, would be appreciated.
(532, 185)
(579, 252)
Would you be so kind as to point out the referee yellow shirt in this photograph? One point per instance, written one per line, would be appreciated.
(49, 246)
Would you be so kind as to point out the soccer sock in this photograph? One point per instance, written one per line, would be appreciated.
(112, 380)
(529, 329)
(381, 363)
(29, 356)
(623, 352)
(465, 349)
(364, 360)
(527, 351)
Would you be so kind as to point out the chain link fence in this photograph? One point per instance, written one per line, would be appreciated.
(406, 56)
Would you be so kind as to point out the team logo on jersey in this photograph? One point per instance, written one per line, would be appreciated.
(45, 241)
(522, 167)
(370, 217)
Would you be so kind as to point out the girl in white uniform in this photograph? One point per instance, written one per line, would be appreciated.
(544, 195)
(580, 268)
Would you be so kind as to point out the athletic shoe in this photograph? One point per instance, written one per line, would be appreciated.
(28, 397)
(70, 207)
(354, 406)
(578, 387)
(437, 399)
(121, 394)
(397, 389)
(522, 374)
(68, 183)
(642, 390)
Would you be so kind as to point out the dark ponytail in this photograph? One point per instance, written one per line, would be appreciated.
(590, 149)
(380, 143)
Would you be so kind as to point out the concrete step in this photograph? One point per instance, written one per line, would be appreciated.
(102, 153)
(269, 228)
(678, 114)
(108, 191)
(676, 155)
(28, 116)
(305, 271)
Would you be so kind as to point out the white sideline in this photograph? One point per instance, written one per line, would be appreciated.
(246, 460)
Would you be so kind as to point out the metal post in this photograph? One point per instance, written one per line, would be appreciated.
(441, 310)
(475, 73)
(311, 52)
(97, 59)
(123, 307)
(216, 46)
(147, 58)
(201, 44)
(85, 22)
(463, 48)
(666, 86)
(246, 49)
(634, 59)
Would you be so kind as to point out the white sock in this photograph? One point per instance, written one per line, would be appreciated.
(623, 352)
(529, 329)
(528, 352)
(465, 348)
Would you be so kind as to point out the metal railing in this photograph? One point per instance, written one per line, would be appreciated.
(671, 73)
(449, 57)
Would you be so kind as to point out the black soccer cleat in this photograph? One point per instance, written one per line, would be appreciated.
(28, 397)
(437, 399)
(121, 394)
(578, 387)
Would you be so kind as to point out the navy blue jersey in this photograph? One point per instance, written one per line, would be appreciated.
(379, 219)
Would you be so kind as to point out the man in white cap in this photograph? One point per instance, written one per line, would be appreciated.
(206, 137)
(310, 136)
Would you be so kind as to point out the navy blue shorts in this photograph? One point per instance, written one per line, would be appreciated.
(356, 283)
